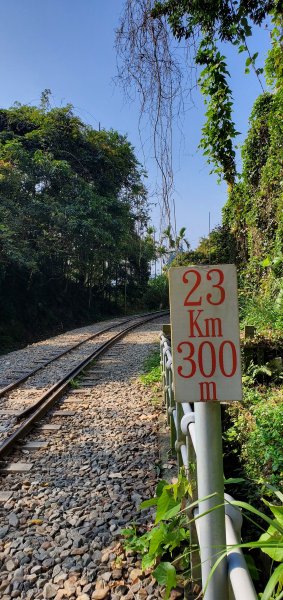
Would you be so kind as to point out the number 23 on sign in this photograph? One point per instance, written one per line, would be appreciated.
(205, 333)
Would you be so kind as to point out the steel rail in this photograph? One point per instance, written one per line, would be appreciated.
(43, 405)
(20, 380)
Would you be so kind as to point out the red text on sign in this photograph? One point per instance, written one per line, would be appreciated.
(233, 361)
(187, 358)
(207, 359)
(207, 390)
(211, 327)
(217, 286)
(217, 281)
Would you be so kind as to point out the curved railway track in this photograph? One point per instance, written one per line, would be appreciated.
(76, 479)
(33, 411)
(50, 358)
(14, 384)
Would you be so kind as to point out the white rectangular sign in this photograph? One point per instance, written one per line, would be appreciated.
(205, 333)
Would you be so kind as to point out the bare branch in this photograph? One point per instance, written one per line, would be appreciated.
(157, 69)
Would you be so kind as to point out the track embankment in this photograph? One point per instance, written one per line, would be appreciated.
(88, 464)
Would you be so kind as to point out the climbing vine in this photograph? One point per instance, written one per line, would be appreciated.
(219, 129)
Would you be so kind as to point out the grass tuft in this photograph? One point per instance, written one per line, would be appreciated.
(152, 370)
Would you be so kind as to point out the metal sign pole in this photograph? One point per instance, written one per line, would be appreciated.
(207, 371)
(211, 526)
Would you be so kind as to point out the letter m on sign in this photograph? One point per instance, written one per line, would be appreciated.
(207, 391)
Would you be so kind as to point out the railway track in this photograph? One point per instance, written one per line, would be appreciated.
(40, 362)
(43, 356)
(27, 399)
(77, 479)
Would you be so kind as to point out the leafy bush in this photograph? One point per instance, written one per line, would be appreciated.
(168, 538)
(256, 434)
(264, 449)
(165, 545)
(264, 313)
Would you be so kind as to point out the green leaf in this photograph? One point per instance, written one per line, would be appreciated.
(260, 514)
(165, 574)
(172, 512)
(148, 503)
(234, 480)
(157, 538)
(175, 537)
(159, 489)
(275, 539)
(165, 504)
(276, 510)
(276, 577)
(266, 262)
(127, 532)
(147, 561)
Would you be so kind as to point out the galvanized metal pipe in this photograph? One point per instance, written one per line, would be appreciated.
(188, 423)
(210, 481)
(240, 579)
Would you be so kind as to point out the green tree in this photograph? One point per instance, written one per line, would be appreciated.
(73, 208)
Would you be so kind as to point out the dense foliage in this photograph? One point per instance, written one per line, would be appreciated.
(252, 231)
(254, 211)
(255, 436)
(73, 220)
(252, 237)
(206, 25)
(163, 76)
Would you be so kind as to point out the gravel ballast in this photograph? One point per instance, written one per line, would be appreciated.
(60, 528)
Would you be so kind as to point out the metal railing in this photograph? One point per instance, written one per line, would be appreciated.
(234, 582)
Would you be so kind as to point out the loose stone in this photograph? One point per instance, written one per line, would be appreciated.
(135, 573)
(100, 592)
(13, 520)
(11, 565)
(50, 590)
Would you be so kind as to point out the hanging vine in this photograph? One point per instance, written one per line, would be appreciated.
(150, 63)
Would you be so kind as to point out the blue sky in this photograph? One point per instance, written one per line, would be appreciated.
(68, 46)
